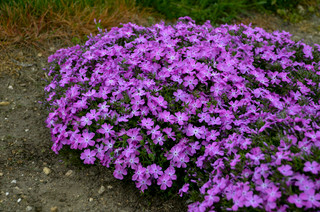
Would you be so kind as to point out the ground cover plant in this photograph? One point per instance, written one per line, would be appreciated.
(227, 117)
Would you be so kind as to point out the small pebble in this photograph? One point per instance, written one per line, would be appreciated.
(54, 209)
(19, 200)
(10, 87)
(91, 199)
(4, 103)
(29, 208)
(13, 181)
(26, 130)
(101, 190)
(69, 173)
(46, 170)
(109, 187)
(1, 174)
(7, 193)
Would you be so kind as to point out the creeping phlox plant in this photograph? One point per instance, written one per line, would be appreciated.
(227, 116)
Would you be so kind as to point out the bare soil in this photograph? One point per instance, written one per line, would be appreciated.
(34, 178)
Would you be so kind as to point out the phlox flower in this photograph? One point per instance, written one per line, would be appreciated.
(109, 143)
(86, 140)
(100, 150)
(273, 193)
(161, 101)
(119, 172)
(155, 170)
(194, 131)
(194, 147)
(143, 183)
(213, 150)
(170, 171)
(179, 95)
(306, 186)
(139, 172)
(312, 199)
(212, 135)
(88, 156)
(154, 132)
(165, 181)
(85, 120)
(238, 202)
(210, 198)
(184, 189)
(106, 129)
(133, 161)
(190, 81)
(181, 117)
(181, 160)
(174, 152)
(253, 200)
(313, 167)
(215, 121)
(263, 185)
(147, 123)
(295, 199)
(159, 139)
(170, 133)
(285, 170)
(134, 135)
(167, 117)
(204, 117)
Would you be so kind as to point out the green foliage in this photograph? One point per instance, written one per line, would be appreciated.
(224, 11)
(217, 11)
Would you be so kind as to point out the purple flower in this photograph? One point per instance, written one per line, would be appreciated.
(134, 135)
(180, 95)
(155, 170)
(196, 131)
(106, 130)
(88, 156)
(147, 123)
(154, 132)
(273, 193)
(169, 132)
(170, 171)
(143, 183)
(119, 172)
(313, 167)
(184, 189)
(295, 199)
(138, 173)
(165, 181)
(181, 118)
(312, 199)
(253, 200)
(86, 140)
(285, 170)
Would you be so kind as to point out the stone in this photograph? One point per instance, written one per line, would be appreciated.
(46, 170)
(101, 190)
(69, 173)
(29, 208)
(54, 209)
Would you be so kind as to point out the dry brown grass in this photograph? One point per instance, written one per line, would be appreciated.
(20, 26)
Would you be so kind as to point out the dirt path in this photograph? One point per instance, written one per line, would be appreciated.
(33, 178)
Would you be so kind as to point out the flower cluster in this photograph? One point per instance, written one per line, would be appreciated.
(231, 113)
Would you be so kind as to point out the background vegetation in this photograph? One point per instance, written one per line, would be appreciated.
(36, 21)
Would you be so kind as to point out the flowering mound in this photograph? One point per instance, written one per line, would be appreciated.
(228, 115)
